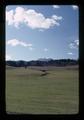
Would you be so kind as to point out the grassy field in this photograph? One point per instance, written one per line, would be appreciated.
(27, 91)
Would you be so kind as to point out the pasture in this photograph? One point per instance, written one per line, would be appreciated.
(30, 92)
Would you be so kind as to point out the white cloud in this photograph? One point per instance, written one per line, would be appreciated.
(15, 42)
(9, 17)
(45, 49)
(70, 53)
(18, 16)
(31, 18)
(77, 42)
(56, 6)
(75, 7)
(57, 17)
(74, 45)
(8, 57)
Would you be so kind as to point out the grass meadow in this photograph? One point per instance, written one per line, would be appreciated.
(57, 92)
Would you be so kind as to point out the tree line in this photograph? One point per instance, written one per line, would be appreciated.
(60, 62)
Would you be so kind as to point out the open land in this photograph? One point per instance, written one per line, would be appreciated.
(30, 91)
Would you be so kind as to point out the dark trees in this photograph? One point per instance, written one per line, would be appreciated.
(61, 62)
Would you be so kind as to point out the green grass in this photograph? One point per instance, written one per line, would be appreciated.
(29, 92)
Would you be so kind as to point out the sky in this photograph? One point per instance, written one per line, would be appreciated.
(42, 31)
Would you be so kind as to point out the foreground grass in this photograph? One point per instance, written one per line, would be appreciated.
(29, 92)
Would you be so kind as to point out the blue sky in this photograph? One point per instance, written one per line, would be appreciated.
(42, 31)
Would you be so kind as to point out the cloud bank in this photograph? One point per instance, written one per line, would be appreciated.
(31, 18)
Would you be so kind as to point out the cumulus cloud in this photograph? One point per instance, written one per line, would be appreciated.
(18, 16)
(45, 49)
(15, 42)
(9, 17)
(74, 45)
(75, 7)
(56, 6)
(31, 18)
(8, 57)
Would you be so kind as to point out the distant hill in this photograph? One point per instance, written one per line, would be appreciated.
(43, 62)
(44, 59)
